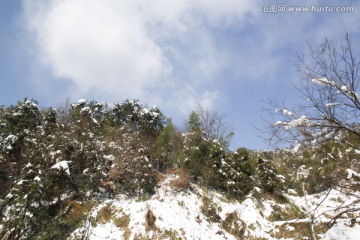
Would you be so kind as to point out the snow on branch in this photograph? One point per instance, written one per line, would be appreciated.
(323, 81)
(299, 122)
(64, 165)
(286, 112)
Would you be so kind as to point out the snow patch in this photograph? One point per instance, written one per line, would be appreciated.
(109, 157)
(351, 173)
(64, 165)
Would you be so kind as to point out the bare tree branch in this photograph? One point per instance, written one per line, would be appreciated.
(330, 84)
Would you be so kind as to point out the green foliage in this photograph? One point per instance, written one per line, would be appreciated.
(49, 121)
(169, 147)
(138, 117)
(24, 116)
(194, 122)
(240, 173)
(315, 169)
(133, 168)
(26, 208)
(268, 180)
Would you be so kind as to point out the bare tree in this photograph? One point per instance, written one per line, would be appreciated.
(213, 126)
(63, 113)
(330, 84)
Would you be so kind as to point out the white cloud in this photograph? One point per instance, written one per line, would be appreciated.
(134, 48)
(226, 12)
(188, 98)
(98, 46)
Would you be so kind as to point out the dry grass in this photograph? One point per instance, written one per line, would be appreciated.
(298, 230)
(182, 181)
(76, 210)
(105, 214)
(338, 199)
(159, 178)
(286, 212)
(150, 220)
(127, 233)
(209, 210)
(123, 223)
(234, 226)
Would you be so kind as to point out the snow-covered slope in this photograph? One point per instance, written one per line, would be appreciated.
(195, 213)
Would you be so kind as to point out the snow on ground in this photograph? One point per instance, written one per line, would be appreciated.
(342, 231)
(202, 214)
(332, 202)
(106, 231)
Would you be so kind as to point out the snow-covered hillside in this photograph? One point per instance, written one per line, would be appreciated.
(195, 213)
(57, 169)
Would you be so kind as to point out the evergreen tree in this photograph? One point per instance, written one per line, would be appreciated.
(241, 168)
(167, 146)
(267, 178)
(194, 123)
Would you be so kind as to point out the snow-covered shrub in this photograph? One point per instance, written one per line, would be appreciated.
(239, 172)
(138, 117)
(267, 178)
(25, 209)
(25, 115)
(133, 170)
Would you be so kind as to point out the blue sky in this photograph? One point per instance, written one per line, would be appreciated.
(225, 55)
